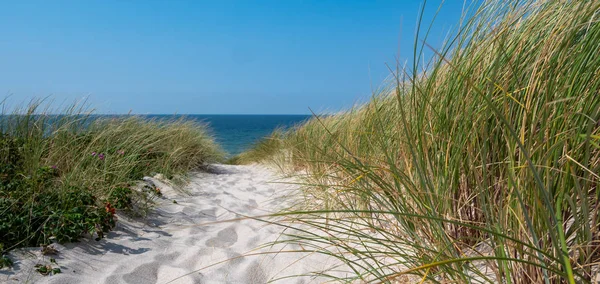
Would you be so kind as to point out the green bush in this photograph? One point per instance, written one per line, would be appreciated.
(33, 211)
(120, 197)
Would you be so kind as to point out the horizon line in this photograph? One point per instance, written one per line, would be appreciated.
(264, 114)
(305, 114)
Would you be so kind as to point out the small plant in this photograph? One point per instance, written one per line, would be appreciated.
(120, 197)
(4, 260)
(85, 215)
(47, 269)
(49, 250)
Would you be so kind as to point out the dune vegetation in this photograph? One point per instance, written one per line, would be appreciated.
(265, 148)
(481, 164)
(65, 175)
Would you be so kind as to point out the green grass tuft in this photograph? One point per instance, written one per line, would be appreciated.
(265, 149)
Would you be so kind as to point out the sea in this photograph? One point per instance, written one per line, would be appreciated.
(237, 133)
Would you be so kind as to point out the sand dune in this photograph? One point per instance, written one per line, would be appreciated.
(186, 242)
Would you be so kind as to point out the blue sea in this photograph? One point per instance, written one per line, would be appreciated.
(236, 133)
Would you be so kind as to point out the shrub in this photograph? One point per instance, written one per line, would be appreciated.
(120, 197)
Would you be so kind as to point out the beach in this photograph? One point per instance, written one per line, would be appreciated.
(300, 142)
(197, 234)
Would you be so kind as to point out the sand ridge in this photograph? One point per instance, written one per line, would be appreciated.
(186, 241)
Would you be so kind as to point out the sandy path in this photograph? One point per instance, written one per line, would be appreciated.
(179, 239)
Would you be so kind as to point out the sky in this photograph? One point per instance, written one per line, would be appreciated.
(208, 57)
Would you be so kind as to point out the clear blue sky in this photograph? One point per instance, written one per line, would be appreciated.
(207, 57)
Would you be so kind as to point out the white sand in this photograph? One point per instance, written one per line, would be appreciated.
(178, 243)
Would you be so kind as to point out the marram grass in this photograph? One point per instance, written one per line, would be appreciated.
(61, 176)
(481, 166)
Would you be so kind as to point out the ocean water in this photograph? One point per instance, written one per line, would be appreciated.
(236, 133)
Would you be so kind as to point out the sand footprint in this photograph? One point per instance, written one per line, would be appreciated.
(251, 205)
(145, 273)
(255, 274)
(225, 238)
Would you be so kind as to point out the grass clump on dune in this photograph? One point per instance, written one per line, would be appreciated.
(62, 176)
(481, 166)
(264, 149)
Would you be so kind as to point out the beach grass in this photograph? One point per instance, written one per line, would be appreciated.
(261, 151)
(63, 174)
(480, 165)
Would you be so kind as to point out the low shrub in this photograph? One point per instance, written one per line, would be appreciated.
(120, 197)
